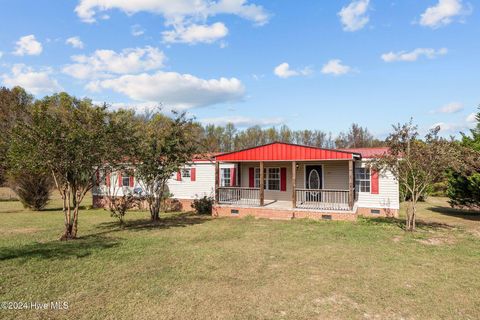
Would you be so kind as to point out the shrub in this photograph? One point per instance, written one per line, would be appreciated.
(203, 205)
(33, 190)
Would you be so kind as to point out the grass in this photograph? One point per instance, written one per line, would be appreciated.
(195, 267)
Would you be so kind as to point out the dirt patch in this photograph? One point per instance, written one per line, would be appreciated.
(438, 241)
(397, 239)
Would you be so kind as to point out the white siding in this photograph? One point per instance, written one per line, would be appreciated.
(388, 195)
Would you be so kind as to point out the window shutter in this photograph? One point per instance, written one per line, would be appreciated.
(119, 179)
(374, 181)
(283, 179)
(107, 180)
(251, 177)
(193, 174)
(233, 177)
(131, 182)
(97, 178)
(179, 176)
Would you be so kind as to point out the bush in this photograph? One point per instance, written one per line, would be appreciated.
(203, 205)
(33, 190)
(464, 190)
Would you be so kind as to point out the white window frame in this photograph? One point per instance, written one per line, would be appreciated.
(267, 178)
(186, 172)
(366, 178)
(224, 178)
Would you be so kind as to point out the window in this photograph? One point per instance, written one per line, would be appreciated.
(225, 178)
(125, 181)
(362, 179)
(185, 173)
(271, 176)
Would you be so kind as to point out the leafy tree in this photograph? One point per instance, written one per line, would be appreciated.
(166, 145)
(15, 104)
(69, 139)
(418, 164)
(464, 188)
(32, 189)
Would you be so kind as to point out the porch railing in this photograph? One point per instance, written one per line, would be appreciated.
(322, 199)
(239, 195)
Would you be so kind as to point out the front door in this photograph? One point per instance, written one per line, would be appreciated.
(313, 180)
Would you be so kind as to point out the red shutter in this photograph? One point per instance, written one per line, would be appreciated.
(283, 179)
(193, 174)
(233, 177)
(374, 181)
(179, 176)
(97, 178)
(130, 182)
(119, 179)
(251, 177)
(107, 180)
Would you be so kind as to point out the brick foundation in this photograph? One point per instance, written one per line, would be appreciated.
(279, 214)
(382, 212)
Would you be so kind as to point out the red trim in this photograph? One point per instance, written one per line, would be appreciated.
(251, 177)
(233, 177)
(119, 179)
(193, 174)
(283, 179)
(279, 151)
(108, 180)
(374, 181)
(179, 176)
(131, 182)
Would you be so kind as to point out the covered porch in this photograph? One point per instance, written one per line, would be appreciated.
(286, 177)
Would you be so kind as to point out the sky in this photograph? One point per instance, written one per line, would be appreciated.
(305, 63)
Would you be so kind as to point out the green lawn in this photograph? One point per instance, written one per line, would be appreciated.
(193, 267)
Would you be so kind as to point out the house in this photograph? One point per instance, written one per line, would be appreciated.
(285, 181)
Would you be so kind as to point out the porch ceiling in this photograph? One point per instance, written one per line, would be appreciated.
(279, 151)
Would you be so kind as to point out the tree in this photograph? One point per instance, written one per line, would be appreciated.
(70, 139)
(418, 164)
(33, 189)
(166, 145)
(463, 189)
(356, 137)
(15, 104)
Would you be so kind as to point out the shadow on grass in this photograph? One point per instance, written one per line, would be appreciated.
(458, 213)
(79, 248)
(171, 221)
(400, 223)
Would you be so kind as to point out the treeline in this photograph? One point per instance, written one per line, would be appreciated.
(228, 138)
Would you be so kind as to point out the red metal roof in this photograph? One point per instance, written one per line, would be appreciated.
(279, 151)
(369, 152)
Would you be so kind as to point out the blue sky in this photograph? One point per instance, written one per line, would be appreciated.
(308, 64)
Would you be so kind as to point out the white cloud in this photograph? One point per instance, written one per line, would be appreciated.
(196, 33)
(174, 11)
(137, 30)
(174, 90)
(413, 55)
(283, 71)
(28, 45)
(471, 118)
(336, 68)
(354, 16)
(443, 13)
(452, 107)
(75, 42)
(104, 63)
(241, 121)
(36, 82)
